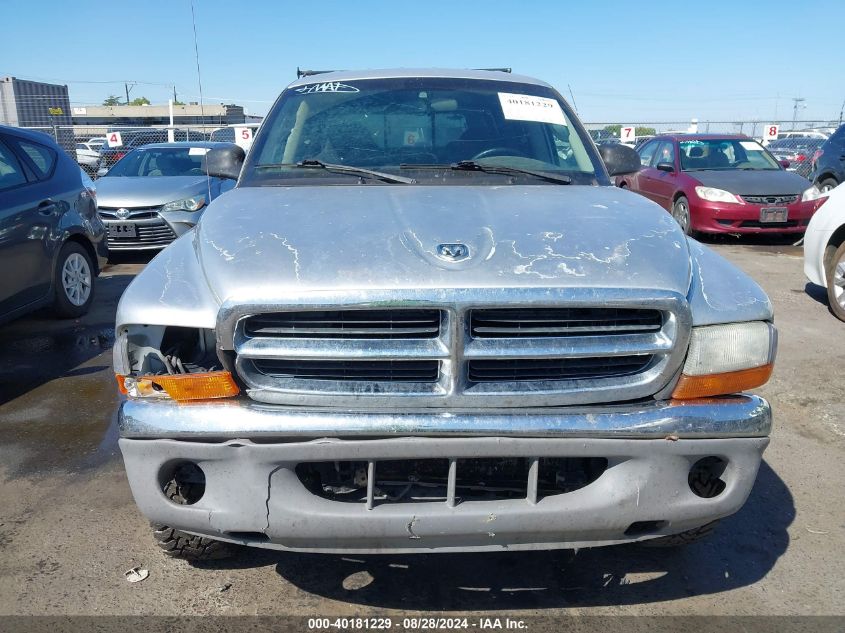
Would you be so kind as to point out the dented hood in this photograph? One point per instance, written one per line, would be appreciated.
(283, 241)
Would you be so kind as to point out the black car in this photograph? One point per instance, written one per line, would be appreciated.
(52, 243)
(136, 138)
(828, 169)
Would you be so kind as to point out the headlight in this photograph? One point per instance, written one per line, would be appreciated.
(153, 361)
(811, 194)
(712, 194)
(186, 204)
(729, 358)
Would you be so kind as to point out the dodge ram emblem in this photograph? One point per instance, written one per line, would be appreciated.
(453, 252)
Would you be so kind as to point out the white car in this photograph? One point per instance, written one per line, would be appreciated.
(824, 250)
(87, 155)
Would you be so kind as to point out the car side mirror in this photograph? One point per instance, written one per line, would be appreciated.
(225, 162)
(784, 163)
(619, 159)
(102, 171)
(667, 167)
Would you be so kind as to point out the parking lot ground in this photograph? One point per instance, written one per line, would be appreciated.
(69, 528)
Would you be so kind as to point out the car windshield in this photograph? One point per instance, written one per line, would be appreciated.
(161, 161)
(725, 154)
(422, 127)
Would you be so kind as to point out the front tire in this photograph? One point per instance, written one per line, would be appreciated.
(681, 213)
(178, 544)
(73, 281)
(827, 185)
(682, 538)
(835, 274)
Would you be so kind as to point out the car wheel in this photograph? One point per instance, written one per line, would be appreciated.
(178, 544)
(73, 281)
(680, 211)
(835, 274)
(683, 538)
(828, 184)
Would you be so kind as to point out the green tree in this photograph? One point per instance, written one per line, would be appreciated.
(111, 100)
(140, 101)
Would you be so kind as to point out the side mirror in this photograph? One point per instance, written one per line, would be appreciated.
(225, 162)
(784, 163)
(102, 171)
(667, 167)
(619, 159)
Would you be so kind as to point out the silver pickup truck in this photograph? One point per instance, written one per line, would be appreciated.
(423, 321)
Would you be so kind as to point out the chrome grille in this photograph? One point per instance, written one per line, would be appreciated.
(545, 322)
(150, 233)
(362, 370)
(135, 213)
(533, 369)
(776, 199)
(347, 324)
(453, 348)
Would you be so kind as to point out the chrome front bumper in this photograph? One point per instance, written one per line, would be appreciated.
(253, 495)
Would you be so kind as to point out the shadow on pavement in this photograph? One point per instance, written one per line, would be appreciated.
(741, 552)
(57, 389)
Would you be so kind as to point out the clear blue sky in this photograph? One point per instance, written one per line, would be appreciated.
(625, 61)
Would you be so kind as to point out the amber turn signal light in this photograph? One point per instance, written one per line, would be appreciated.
(182, 387)
(720, 384)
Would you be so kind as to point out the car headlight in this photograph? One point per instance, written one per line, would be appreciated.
(188, 369)
(194, 203)
(711, 194)
(728, 358)
(811, 194)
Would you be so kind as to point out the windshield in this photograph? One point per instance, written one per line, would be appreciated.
(725, 154)
(169, 161)
(421, 127)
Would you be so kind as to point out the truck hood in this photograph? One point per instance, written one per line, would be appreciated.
(283, 241)
(753, 183)
(153, 191)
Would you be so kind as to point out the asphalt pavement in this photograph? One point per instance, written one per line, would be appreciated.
(69, 528)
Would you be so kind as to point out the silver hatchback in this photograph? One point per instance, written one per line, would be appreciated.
(156, 193)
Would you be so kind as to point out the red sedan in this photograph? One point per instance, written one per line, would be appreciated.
(722, 184)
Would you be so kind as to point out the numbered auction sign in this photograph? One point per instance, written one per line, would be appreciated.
(770, 132)
(243, 136)
(113, 139)
(627, 134)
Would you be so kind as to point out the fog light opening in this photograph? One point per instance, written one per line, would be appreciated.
(705, 477)
(183, 483)
(641, 528)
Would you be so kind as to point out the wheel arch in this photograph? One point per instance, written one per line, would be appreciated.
(835, 241)
(83, 241)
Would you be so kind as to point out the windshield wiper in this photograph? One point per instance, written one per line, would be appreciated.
(343, 169)
(471, 165)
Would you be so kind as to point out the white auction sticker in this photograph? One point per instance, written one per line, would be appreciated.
(114, 140)
(530, 108)
(752, 145)
(243, 137)
(198, 151)
(770, 132)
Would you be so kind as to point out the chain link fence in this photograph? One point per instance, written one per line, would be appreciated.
(793, 141)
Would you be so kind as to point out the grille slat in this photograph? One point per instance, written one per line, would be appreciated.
(346, 324)
(365, 370)
(555, 368)
(556, 322)
(773, 199)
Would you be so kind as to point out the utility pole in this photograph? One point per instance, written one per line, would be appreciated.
(798, 103)
(127, 87)
(174, 94)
